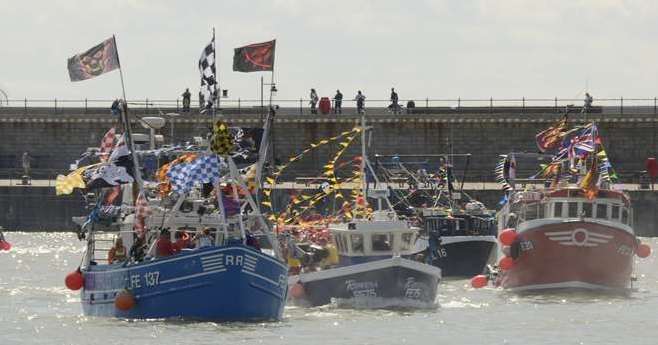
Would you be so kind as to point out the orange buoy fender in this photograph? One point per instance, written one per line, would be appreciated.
(297, 290)
(506, 263)
(507, 237)
(74, 280)
(479, 281)
(124, 300)
(643, 250)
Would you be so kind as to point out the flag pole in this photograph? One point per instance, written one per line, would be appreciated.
(126, 125)
(272, 114)
(219, 97)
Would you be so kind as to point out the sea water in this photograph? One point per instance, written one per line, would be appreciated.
(36, 308)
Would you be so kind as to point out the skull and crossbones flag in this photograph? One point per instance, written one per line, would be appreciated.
(100, 59)
(208, 75)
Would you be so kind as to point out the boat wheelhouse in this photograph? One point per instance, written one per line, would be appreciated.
(462, 242)
(384, 236)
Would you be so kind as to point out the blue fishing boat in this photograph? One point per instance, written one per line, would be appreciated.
(231, 270)
(232, 282)
(227, 280)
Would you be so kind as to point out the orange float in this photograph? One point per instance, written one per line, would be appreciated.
(506, 263)
(74, 280)
(507, 236)
(124, 300)
(297, 290)
(643, 250)
(479, 281)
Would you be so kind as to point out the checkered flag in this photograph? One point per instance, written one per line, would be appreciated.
(107, 144)
(205, 169)
(208, 75)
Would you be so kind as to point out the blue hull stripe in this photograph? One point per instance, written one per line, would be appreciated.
(191, 276)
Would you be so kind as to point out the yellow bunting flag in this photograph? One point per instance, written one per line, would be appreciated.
(65, 184)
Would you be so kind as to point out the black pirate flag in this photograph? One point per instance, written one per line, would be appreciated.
(254, 57)
(95, 61)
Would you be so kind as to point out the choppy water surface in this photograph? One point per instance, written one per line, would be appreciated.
(36, 308)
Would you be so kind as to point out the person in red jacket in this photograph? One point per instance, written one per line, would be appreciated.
(164, 247)
(182, 241)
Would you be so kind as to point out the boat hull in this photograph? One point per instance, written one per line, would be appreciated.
(228, 283)
(572, 254)
(465, 256)
(393, 282)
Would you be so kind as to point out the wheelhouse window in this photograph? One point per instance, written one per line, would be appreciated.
(615, 212)
(339, 243)
(406, 241)
(587, 210)
(357, 243)
(573, 209)
(382, 242)
(624, 216)
(534, 211)
(557, 210)
(602, 211)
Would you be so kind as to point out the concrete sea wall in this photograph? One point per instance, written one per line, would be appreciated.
(55, 140)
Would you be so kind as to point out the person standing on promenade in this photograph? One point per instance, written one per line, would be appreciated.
(394, 107)
(187, 96)
(313, 101)
(26, 162)
(338, 103)
(587, 106)
(116, 107)
(360, 102)
(202, 100)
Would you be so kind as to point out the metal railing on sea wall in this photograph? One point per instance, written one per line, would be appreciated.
(621, 105)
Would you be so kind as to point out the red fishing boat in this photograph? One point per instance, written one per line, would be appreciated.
(575, 229)
(562, 239)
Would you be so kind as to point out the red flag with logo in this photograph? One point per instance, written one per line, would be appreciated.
(254, 57)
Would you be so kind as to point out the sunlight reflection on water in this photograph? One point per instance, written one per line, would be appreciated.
(36, 308)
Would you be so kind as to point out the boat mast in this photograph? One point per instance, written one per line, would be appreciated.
(363, 156)
(218, 187)
(127, 129)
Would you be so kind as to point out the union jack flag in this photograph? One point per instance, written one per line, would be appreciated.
(107, 144)
(583, 142)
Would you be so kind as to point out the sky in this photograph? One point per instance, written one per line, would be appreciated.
(442, 49)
